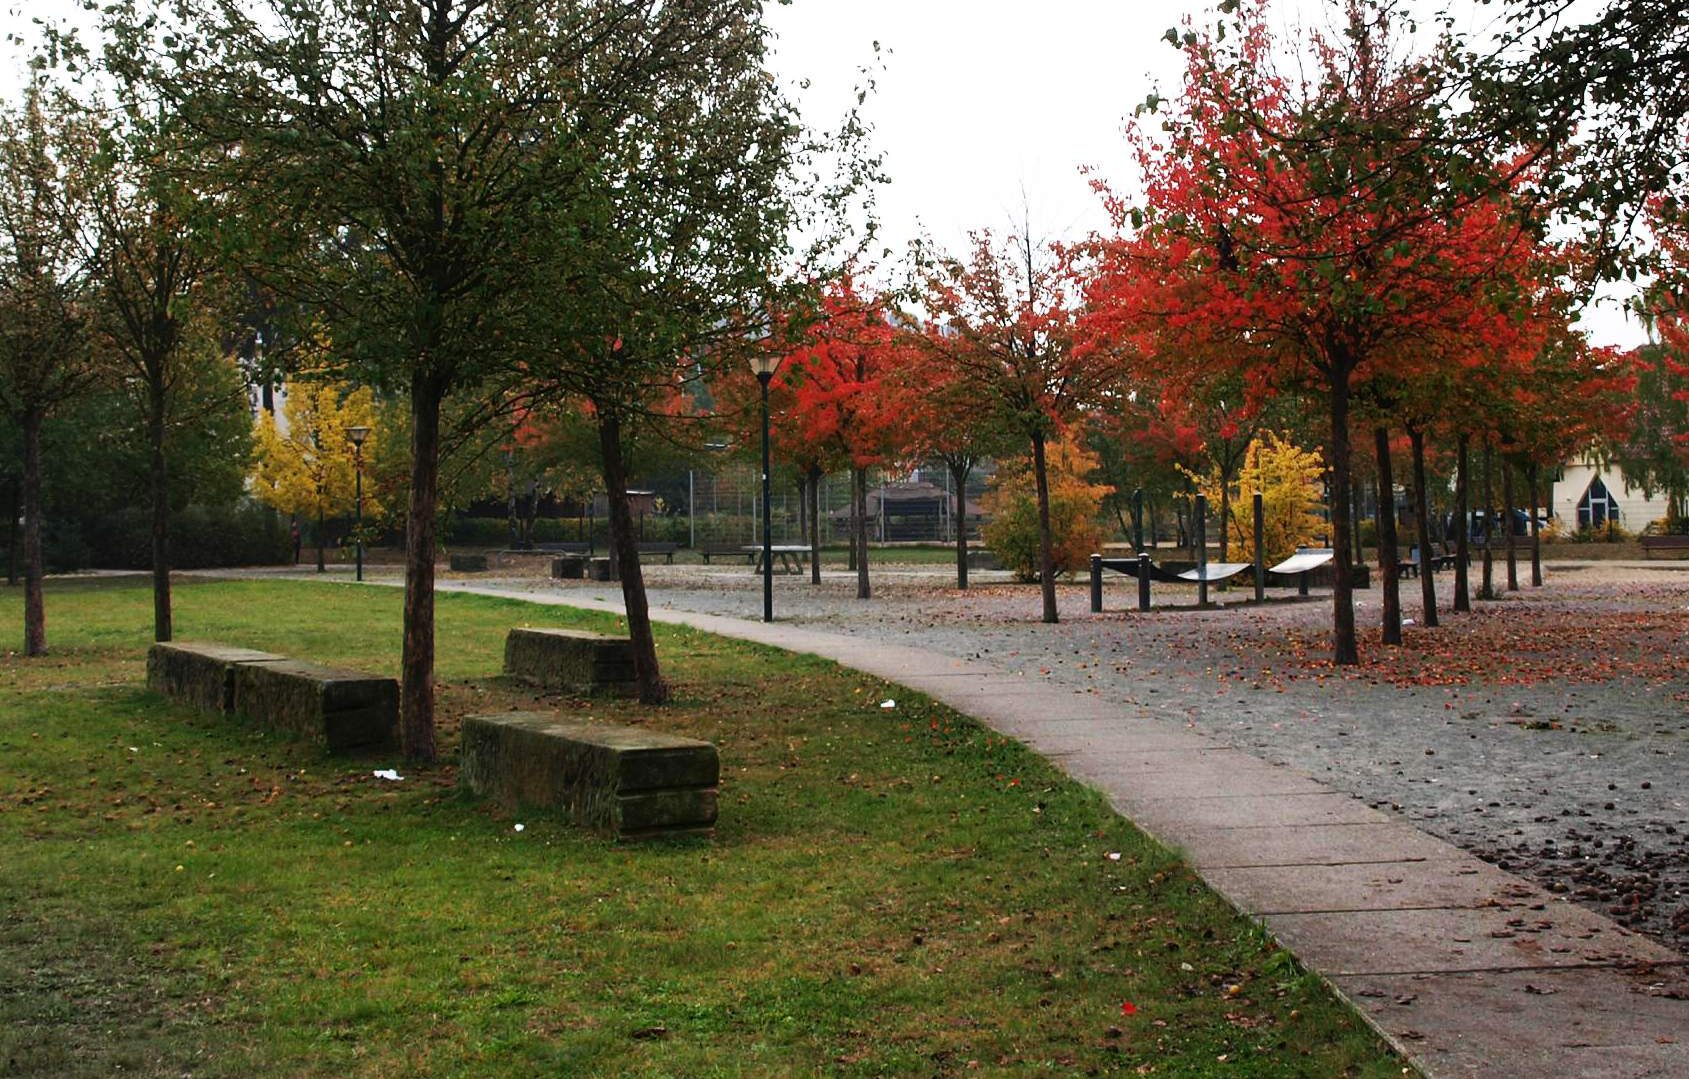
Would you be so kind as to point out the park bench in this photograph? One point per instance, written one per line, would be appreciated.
(1408, 565)
(198, 674)
(1650, 544)
(667, 550)
(570, 659)
(791, 556)
(468, 563)
(627, 782)
(1145, 571)
(1301, 564)
(570, 567)
(723, 550)
(338, 709)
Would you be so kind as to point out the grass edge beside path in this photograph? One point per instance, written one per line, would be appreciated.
(890, 891)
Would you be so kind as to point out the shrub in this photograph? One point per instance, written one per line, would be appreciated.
(201, 537)
(1012, 504)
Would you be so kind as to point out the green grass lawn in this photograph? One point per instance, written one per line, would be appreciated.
(889, 891)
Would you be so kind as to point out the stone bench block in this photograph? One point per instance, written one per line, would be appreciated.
(469, 563)
(569, 567)
(570, 659)
(199, 674)
(599, 570)
(622, 781)
(338, 709)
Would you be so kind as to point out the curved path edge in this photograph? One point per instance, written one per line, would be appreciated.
(1465, 969)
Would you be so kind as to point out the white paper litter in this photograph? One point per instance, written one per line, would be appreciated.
(519, 827)
(1113, 856)
(888, 703)
(388, 773)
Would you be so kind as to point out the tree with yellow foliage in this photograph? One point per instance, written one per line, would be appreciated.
(1012, 533)
(308, 469)
(1288, 478)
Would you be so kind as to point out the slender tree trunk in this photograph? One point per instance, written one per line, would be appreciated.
(1536, 529)
(159, 479)
(625, 543)
(322, 531)
(1046, 539)
(1463, 526)
(416, 679)
(1154, 523)
(858, 527)
(859, 494)
(1507, 525)
(1225, 516)
(1486, 589)
(1343, 647)
(959, 476)
(34, 562)
(1389, 568)
(1355, 503)
(1422, 509)
(814, 526)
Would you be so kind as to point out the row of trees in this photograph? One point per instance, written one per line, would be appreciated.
(542, 218)
(523, 208)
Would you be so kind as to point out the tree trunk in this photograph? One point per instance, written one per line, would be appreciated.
(859, 528)
(1463, 526)
(1343, 647)
(1154, 524)
(416, 678)
(959, 476)
(159, 479)
(1355, 503)
(1507, 525)
(1225, 516)
(34, 563)
(322, 566)
(1422, 508)
(1486, 589)
(1046, 539)
(1389, 569)
(625, 547)
(814, 526)
(1536, 529)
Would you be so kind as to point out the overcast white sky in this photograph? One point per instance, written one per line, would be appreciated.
(984, 106)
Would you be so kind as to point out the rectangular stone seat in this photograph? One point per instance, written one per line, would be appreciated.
(569, 567)
(622, 781)
(339, 709)
(197, 673)
(570, 659)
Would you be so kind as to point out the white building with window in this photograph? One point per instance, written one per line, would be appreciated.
(1588, 495)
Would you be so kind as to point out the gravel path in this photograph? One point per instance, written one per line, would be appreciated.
(1546, 732)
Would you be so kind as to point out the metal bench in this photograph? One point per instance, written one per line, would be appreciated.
(1650, 544)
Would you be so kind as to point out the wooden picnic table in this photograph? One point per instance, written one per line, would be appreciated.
(791, 555)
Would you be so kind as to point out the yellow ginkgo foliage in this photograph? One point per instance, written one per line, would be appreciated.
(305, 466)
(1288, 478)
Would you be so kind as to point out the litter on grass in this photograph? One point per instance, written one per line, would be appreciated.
(389, 774)
(888, 703)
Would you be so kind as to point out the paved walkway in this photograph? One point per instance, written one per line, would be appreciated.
(1466, 969)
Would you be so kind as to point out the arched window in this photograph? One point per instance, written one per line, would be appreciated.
(1597, 506)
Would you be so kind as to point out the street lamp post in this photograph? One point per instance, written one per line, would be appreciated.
(356, 436)
(765, 364)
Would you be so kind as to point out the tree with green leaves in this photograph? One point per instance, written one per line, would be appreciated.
(410, 184)
(46, 296)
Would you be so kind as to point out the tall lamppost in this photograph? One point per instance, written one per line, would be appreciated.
(356, 436)
(765, 364)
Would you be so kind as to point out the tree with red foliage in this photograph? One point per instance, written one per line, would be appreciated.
(833, 384)
(1007, 316)
(1306, 232)
(939, 418)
